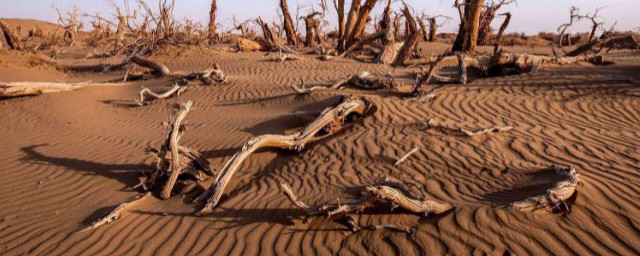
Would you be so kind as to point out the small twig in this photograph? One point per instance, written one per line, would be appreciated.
(404, 158)
(115, 214)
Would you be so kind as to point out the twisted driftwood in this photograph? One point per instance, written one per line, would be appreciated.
(115, 214)
(395, 193)
(174, 160)
(555, 199)
(331, 121)
(147, 96)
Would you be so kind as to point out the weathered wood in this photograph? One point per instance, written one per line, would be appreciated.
(362, 80)
(148, 96)
(360, 22)
(160, 69)
(378, 193)
(116, 213)
(289, 29)
(329, 122)
(406, 156)
(555, 198)
(246, 45)
(20, 89)
(468, 132)
(176, 131)
(173, 159)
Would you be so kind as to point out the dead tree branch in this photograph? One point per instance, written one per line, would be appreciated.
(328, 123)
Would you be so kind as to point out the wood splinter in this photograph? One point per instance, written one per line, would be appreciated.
(173, 160)
(404, 158)
(331, 121)
(555, 198)
(116, 213)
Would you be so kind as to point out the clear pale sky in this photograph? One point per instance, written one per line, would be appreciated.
(530, 16)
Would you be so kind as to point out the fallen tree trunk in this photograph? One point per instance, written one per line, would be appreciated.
(328, 123)
(20, 89)
(555, 198)
(599, 44)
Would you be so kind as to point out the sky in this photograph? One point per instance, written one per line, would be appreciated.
(529, 16)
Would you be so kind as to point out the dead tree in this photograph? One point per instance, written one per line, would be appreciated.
(573, 16)
(312, 26)
(123, 21)
(266, 32)
(412, 38)
(289, 29)
(595, 25)
(486, 19)
(328, 123)
(212, 20)
(71, 23)
(357, 20)
(173, 160)
(361, 80)
(467, 39)
(13, 41)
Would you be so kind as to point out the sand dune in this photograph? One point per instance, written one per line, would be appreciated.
(69, 158)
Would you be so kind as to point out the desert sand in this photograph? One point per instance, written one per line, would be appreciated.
(70, 158)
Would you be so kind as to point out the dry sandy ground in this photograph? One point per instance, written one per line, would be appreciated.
(69, 158)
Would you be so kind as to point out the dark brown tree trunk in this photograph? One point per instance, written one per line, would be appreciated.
(289, 29)
(413, 37)
(266, 32)
(351, 20)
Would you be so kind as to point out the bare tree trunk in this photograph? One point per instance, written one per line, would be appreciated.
(467, 39)
(266, 32)
(433, 30)
(341, 25)
(312, 25)
(289, 29)
(423, 28)
(474, 24)
(351, 20)
(458, 44)
(12, 39)
(212, 20)
(361, 22)
(413, 36)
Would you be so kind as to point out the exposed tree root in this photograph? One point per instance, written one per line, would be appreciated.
(331, 121)
(147, 96)
(471, 132)
(115, 214)
(555, 199)
(393, 193)
(174, 160)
